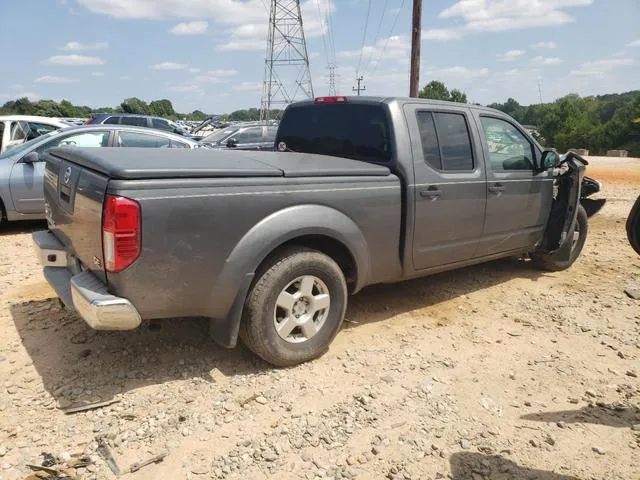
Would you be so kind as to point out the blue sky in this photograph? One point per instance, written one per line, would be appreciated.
(209, 54)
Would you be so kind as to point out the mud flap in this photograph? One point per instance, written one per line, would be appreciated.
(564, 209)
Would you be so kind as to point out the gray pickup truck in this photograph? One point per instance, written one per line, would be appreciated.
(268, 245)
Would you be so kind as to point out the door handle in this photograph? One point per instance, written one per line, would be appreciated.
(498, 188)
(432, 193)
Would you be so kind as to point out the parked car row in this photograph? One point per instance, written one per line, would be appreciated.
(17, 129)
(22, 167)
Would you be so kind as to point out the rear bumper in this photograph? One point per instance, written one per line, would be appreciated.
(83, 291)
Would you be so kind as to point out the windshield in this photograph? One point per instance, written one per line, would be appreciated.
(26, 146)
(220, 135)
(357, 131)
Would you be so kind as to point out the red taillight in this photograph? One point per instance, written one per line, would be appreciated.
(330, 100)
(120, 233)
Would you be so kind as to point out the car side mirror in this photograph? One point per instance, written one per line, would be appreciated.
(550, 159)
(633, 227)
(232, 143)
(31, 157)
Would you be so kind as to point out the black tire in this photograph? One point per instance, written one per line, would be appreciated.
(281, 271)
(550, 262)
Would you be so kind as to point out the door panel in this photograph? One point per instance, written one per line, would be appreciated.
(26, 187)
(449, 189)
(518, 197)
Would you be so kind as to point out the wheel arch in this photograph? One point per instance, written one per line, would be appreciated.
(314, 226)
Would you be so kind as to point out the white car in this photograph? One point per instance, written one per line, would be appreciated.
(17, 129)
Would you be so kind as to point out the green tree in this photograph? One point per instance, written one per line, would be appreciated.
(458, 96)
(435, 90)
(162, 108)
(135, 105)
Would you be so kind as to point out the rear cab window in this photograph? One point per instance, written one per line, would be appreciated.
(352, 130)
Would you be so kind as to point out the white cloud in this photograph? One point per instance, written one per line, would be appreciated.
(33, 96)
(169, 66)
(194, 70)
(197, 27)
(459, 73)
(16, 86)
(186, 88)
(544, 45)
(599, 68)
(216, 76)
(97, 74)
(397, 48)
(545, 61)
(510, 55)
(635, 43)
(247, 87)
(54, 79)
(77, 46)
(502, 15)
(73, 60)
(250, 36)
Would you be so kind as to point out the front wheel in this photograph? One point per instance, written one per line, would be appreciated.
(551, 262)
(295, 307)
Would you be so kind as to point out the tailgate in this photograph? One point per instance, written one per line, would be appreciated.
(73, 206)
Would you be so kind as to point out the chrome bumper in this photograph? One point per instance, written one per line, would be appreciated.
(83, 291)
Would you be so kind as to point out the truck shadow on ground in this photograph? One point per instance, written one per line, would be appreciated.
(78, 364)
(471, 466)
(24, 226)
(622, 417)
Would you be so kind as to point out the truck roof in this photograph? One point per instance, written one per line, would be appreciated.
(404, 100)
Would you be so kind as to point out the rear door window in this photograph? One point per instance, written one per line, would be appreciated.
(112, 121)
(357, 131)
(161, 124)
(141, 140)
(455, 142)
(18, 131)
(429, 139)
(92, 139)
(250, 135)
(134, 121)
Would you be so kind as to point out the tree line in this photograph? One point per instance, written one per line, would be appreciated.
(597, 123)
(159, 108)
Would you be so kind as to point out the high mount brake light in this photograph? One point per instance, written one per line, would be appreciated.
(339, 99)
(120, 233)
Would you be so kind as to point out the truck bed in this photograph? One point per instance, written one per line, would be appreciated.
(148, 164)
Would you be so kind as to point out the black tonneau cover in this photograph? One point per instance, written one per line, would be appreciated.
(159, 163)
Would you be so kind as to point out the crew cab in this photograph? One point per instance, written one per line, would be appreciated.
(268, 245)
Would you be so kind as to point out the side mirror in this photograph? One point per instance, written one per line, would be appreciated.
(232, 143)
(550, 158)
(31, 157)
(633, 227)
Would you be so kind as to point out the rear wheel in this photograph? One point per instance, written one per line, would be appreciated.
(551, 262)
(295, 307)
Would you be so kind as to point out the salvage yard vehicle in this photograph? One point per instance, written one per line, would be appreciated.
(633, 226)
(17, 129)
(22, 167)
(267, 245)
(243, 137)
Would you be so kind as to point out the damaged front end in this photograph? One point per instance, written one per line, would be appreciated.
(568, 173)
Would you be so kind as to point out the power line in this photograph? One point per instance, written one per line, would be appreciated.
(332, 43)
(324, 34)
(364, 35)
(375, 40)
(393, 26)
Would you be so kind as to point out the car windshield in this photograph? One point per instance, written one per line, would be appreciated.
(26, 146)
(219, 136)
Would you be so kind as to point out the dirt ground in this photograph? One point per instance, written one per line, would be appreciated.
(498, 371)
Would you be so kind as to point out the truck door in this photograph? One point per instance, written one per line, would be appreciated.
(519, 196)
(449, 189)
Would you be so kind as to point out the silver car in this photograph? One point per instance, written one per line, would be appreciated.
(22, 170)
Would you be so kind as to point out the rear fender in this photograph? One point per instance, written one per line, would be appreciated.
(232, 285)
(564, 209)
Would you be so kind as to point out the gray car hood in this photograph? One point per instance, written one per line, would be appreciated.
(158, 163)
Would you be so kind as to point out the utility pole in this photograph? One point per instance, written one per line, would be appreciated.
(286, 64)
(360, 87)
(416, 34)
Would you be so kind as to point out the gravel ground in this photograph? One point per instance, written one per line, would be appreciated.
(497, 371)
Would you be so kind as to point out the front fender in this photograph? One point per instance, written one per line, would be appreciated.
(231, 286)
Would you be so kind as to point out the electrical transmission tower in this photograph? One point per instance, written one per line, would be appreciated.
(286, 66)
(333, 91)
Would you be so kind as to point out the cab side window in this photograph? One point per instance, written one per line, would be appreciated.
(508, 148)
(446, 143)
